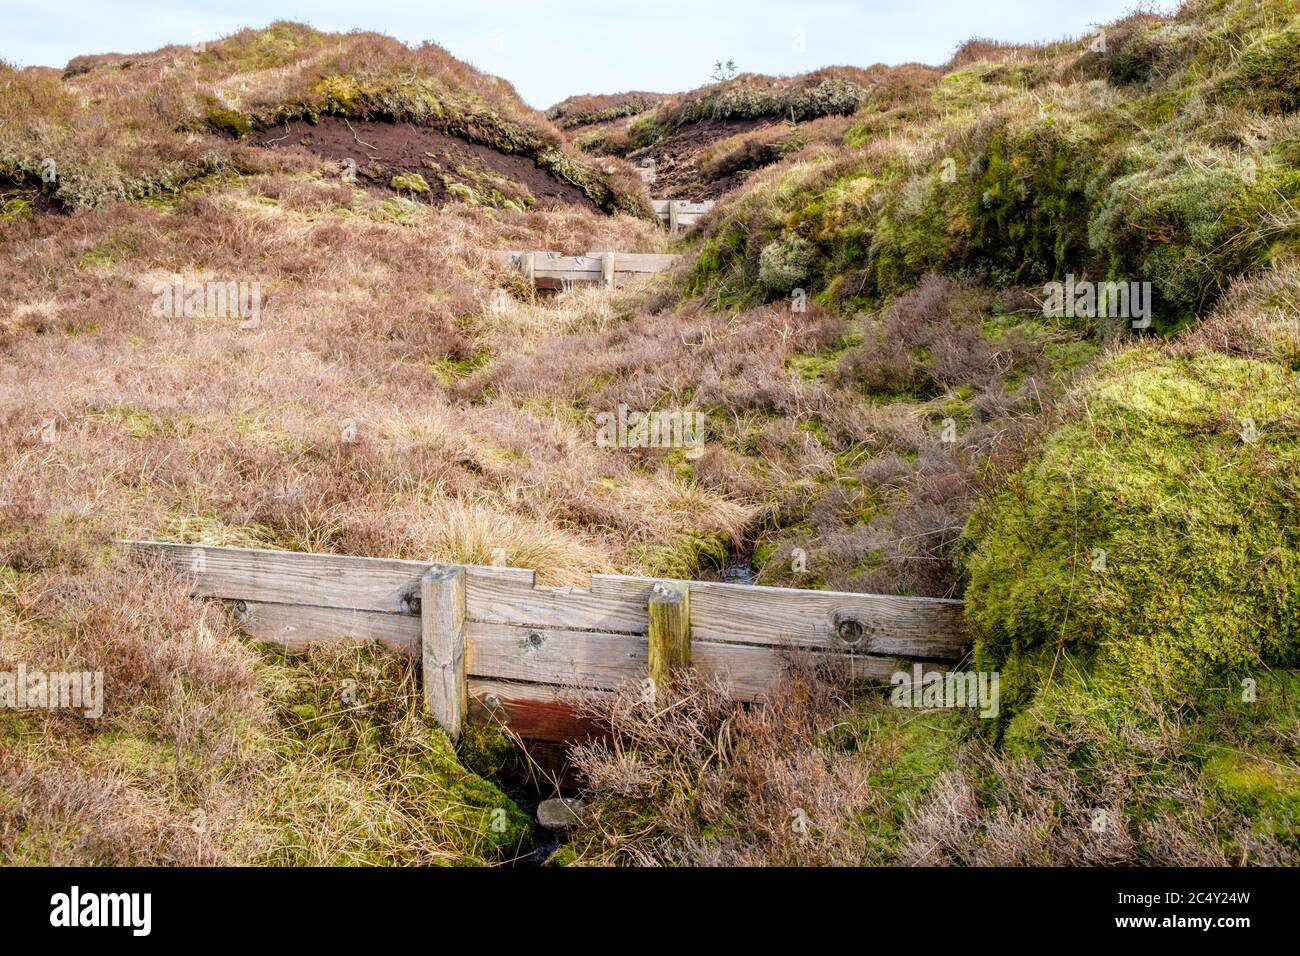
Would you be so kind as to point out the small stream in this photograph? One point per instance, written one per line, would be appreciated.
(739, 573)
(527, 794)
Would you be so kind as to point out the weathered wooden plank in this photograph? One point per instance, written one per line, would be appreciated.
(679, 214)
(606, 661)
(930, 628)
(640, 261)
(556, 656)
(579, 609)
(531, 710)
(325, 580)
(442, 645)
(549, 655)
(661, 206)
(297, 626)
(868, 623)
(549, 264)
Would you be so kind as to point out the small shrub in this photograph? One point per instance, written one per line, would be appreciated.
(785, 264)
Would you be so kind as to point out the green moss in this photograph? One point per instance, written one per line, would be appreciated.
(410, 183)
(1267, 75)
(139, 422)
(1148, 537)
(1184, 226)
(922, 747)
(16, 209)
(685, 558)
(785, 265)
(338, 94)
(1262, 789)
(231, 122)
(384, 779)
(450, 370)
(490, 752)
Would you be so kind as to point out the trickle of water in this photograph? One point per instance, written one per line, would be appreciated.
(738, 574)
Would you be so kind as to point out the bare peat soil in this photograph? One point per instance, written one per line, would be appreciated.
(384, 150)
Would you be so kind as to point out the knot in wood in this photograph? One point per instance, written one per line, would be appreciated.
(850, 631)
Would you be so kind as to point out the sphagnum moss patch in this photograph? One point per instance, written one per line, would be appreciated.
(1155, 534)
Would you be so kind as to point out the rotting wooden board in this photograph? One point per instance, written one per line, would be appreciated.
(835, 620)
(732, 613)
(442, 646)
(323, 580)
(553, 267)
(684, 207)
(639, 261)
(679, 214)
(608, 661)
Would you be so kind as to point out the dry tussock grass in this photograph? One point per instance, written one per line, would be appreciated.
(340, 422)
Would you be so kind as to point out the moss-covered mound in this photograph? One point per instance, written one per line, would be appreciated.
(366, 776)
(1153, 544)
(1168, 158)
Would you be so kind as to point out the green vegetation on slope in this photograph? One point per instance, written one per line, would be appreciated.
(1054, 162)
(162, 108)
(1155, 538)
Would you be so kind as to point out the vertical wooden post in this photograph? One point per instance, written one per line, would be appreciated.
(607, 269)
(442, 645)
(527, 262)
(672, 216)
(670, 630)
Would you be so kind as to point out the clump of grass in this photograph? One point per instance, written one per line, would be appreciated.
(362, 774)
(1266, 75)
(477, 533)
(837, 90)
(409, 182)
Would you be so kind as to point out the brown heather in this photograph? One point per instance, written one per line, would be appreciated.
(404, 396)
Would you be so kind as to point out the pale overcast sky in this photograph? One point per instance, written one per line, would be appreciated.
(552, 50)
